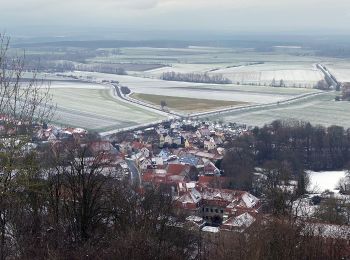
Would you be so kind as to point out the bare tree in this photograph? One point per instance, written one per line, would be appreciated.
(22, 101)
(23, 104)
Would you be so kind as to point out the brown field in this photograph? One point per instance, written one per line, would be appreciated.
(186, 104)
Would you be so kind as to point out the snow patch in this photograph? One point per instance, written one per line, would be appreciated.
(321, 181)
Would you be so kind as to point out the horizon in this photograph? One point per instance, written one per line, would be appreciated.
(159, 19)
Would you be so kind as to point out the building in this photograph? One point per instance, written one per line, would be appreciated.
(216, 206)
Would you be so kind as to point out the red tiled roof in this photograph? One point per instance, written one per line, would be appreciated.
(205, 180)
(176, 169)
(137, 145)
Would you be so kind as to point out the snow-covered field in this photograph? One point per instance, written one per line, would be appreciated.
(75, 85)
(293, 75)
(321, 181)
(250, 94)
(181, 68)
(341, 70)
(93, 107)
(297, 75)
(319, 110)
(342, 75)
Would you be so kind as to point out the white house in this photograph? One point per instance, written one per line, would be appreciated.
(145, 152)
(210, 145)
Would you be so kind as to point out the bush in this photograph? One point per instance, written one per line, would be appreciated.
(125, 90)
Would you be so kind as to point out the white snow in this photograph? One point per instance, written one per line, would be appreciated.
(321, 181)
(245, 220)
(249, 200)
(210, 229)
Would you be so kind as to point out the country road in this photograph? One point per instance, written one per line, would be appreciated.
(329, 77)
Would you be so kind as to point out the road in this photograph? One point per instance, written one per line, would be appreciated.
(150, 107)
(135, 176)
(329, 77)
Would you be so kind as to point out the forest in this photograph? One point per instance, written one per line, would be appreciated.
(295, 145)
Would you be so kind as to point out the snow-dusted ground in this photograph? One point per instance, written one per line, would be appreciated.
(76, 85)
(292, 75)
(321, 181)
(250, 94)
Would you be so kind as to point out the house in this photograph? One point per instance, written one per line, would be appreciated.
(239, 223)
(125, 147)
(210, 168)
(177, 140)
(65, 135)
(175, 125)
(210, 145)
(204, 132)
(101, 146)
(168, 139)
(145, 152)
(178, 169)
(189, 202)
(157, 161)
(215, 206)
(206, 155)
(52, 138)
(195, 222)
(164, 154)
(137, 146)
(221, 151)
(191, 160)
(122, 171)
(76, 133)
(144, 163)
(220, 204)
(187, 144)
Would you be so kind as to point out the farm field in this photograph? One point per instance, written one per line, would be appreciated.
(293, 75)
(93, 107)
(201, 55)
(341, 70)
(187, 104)
(322, 110)
(294, 66)
(253, 70)
(236, 93)
(302, 75)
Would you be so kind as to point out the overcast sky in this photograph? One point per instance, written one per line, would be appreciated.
(188, 15)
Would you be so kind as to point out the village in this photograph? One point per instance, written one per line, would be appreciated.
(182, 159)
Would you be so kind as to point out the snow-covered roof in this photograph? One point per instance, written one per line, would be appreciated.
(79, 131)
(190, 185)
(249, 200)
(160, 172)
(210, 229)
(244, 220)
(194, 219)
(196, 196)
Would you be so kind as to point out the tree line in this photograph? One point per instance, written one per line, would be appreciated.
(196, 77)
